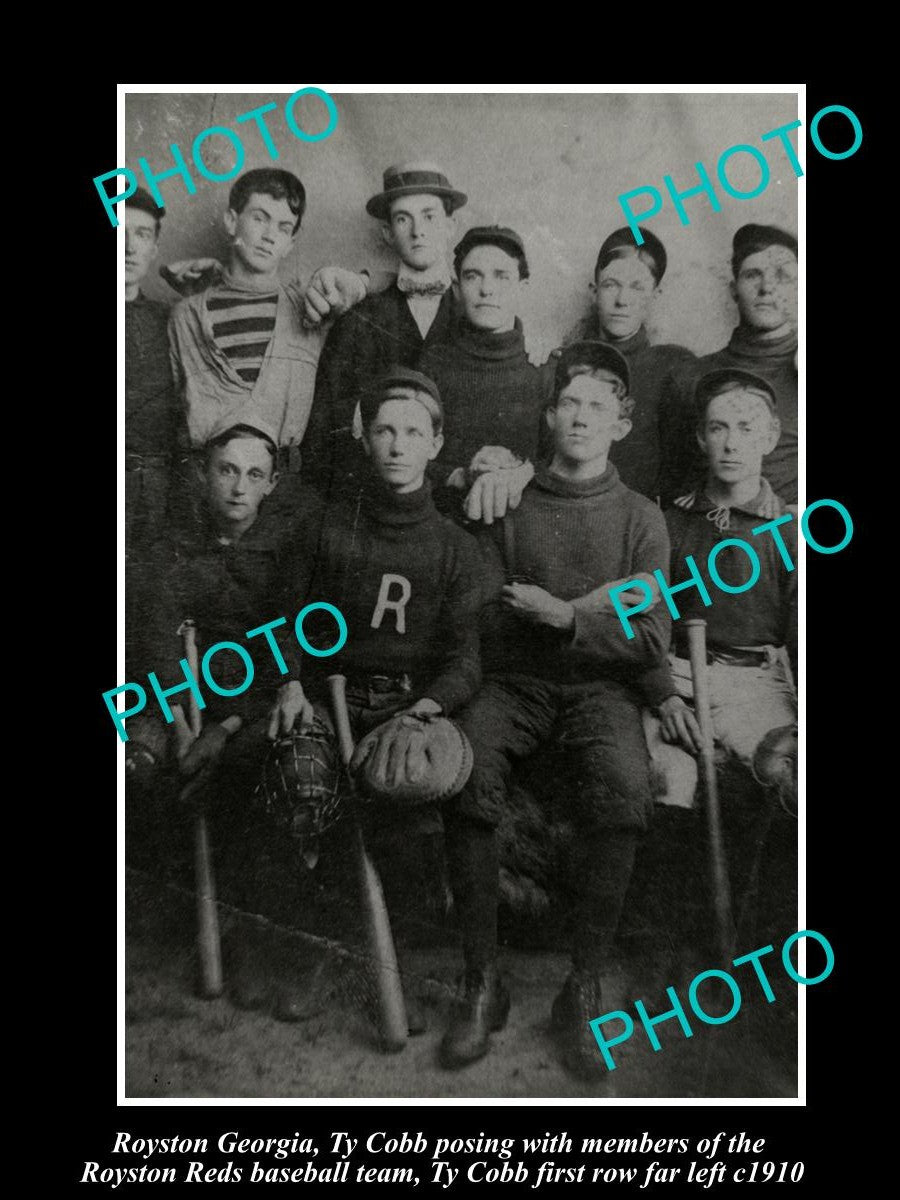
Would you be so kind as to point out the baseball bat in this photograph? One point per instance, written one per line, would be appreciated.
(392, 1023)
(209, 943)
(696, 635)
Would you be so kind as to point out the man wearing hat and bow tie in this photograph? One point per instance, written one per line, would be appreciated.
(392, 327)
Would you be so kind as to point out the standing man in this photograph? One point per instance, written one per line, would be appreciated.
(151, 411)
(626, 283)
(492, 395)
(392, 327)
(240, 349)
(561, 677)
(764, 287)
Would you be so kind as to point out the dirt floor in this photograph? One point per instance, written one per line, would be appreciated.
(178, 1045)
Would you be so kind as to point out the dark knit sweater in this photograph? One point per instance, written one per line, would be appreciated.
(569, 538)
(152, 415)
(226, 589)
(491, 393)
(378, 333)
(638, 456)
(384, 534)
(774, 361)
(766, 615)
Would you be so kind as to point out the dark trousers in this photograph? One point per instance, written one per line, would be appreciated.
(596, 733)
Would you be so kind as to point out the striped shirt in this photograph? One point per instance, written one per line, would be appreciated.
(242, 324)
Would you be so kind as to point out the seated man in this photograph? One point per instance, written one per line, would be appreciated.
(751, 636)
(406, 579)
(221, 574)
(561, 676)
(241, 348)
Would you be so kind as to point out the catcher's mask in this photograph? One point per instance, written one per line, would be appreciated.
(300, 786)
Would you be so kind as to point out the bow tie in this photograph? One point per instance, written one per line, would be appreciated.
(409, 287)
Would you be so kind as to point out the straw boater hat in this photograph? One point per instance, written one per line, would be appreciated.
(409, 179)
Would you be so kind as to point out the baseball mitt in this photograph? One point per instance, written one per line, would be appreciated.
(300, 780)
(412, 760)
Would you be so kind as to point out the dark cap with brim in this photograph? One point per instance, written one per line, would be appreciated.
(243, 424)
(141, 198)
(711, 384)
(623, 239)
(411, 179)
(593, 354)
(752, 239)
(400, 379)
(491, 235)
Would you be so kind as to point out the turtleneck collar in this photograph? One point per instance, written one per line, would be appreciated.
(388, 507)
(627, 346)
(746, 342)
(484, 343)
(548, 481)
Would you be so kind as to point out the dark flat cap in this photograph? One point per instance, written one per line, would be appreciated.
(402, 377)
(751, 239)
(710, 384)
(492, 235)
(250, 423)
(142, 199)
(594, 354)
(624, 239)
(410, 179)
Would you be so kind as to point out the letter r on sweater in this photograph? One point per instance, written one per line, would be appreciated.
(397, 605)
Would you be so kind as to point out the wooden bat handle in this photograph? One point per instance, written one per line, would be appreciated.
(392, 1023)
(209, 942)
(337, 691)
(696, 635)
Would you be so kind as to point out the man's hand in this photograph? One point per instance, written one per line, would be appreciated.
(538, 345)
(190, 275)
(491, 458)
(537, 605)
(290, 703)
(426, 707)
(598, 600)
(330, 292)
(205, 751)
(679, 725)
(496, 491)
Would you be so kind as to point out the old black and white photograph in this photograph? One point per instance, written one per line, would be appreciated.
(464, 527)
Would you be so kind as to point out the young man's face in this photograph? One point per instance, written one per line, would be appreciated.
(490, 288)
(419, 230)
(263, 233)
(239, 476)
(141, 244)
(737, 433)
(765, 289)
(585, 421)
(624, 290)
(401, 442)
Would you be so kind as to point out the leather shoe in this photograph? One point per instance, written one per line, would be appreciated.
(481, 1011)
(579, 1003)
